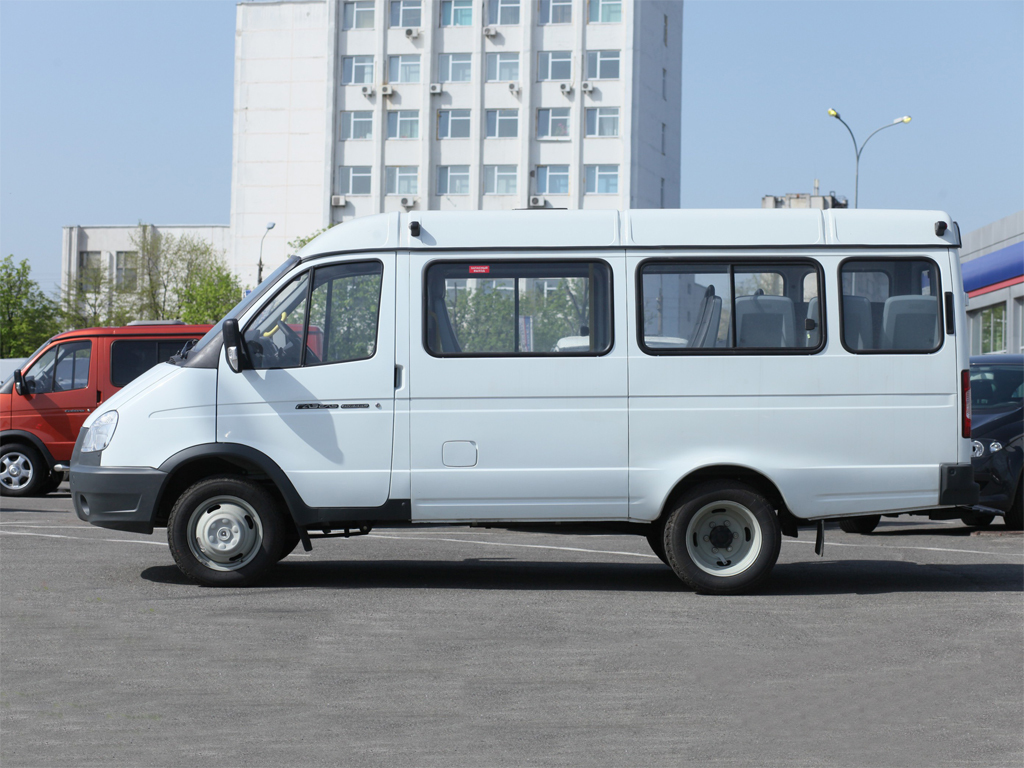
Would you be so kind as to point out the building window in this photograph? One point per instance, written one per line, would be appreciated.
(405, 13)
(663, 138)
(353, 180)
(453, 123)
(603, 121)
(90, 270)
(456, 13)
(602, 65)
(502, 123)
(453, 179)
(404, 69)
(664, 84)
(992, 336)
(404, 124)
(358, 15)
(554, 65)
(503, 11)
(602, 179)
(455, 67)
(502, 66)
(356, 70)
(552, 179)
(500, 179)
(401, 180)
(555, 12)
(553, 123)
(126, 270)
(356, 125)
(606, 11)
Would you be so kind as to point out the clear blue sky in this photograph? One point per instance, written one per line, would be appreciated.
(115, 112)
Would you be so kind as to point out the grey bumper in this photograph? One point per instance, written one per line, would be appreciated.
(122, 498)
(957, 487)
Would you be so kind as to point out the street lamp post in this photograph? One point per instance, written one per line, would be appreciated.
(259, 267)
(856, 176)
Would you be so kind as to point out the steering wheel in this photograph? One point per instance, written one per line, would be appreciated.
(294, 339)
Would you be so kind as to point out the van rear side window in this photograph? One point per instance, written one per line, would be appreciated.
(890, 305)
(513, 308)
(709, 307)
(130, 359)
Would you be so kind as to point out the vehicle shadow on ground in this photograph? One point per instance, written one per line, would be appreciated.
(946, 531)
(833, 577)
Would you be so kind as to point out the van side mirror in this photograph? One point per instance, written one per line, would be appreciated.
(19, 382)
(232, 344)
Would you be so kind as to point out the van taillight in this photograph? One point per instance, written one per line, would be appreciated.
(965, 402)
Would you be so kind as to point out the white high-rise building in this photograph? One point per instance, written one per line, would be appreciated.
(345, 108)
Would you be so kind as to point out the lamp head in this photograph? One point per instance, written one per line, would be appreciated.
(270, 225)
(904, 119)
(833, 113)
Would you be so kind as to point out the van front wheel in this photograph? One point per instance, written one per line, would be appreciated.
(225, 532)
(723, 538)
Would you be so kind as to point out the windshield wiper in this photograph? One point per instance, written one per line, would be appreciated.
(181, 356)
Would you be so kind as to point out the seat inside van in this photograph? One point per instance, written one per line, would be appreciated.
(910, 322)
(765, 321)
(709, 315)
(857, 322)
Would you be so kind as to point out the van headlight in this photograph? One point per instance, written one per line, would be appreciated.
(99, 434)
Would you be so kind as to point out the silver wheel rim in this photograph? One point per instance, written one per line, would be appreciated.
(15, 471)
(225, 533)
(723, 538)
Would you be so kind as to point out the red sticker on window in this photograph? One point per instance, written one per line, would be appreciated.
(479, 270)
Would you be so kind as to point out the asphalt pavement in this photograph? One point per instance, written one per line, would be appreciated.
(469, 647)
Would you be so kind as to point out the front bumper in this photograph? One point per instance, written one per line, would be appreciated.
(122, 498)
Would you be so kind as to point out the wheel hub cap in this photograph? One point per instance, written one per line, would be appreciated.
(15, 471)
(226, 533)
(723, 538)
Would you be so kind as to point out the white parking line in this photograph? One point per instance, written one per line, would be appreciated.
(509, 544)
(83, 538)
(927, 549)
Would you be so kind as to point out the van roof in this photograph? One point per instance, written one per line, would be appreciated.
(644, 228)
(135, 330)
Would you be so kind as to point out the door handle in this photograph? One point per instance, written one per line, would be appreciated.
(398, 376)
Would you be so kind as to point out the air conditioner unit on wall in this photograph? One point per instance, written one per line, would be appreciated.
(513, 87)
(565, 88)
(412, 33)
(367, 91)
(436, 88)
(490, 31)
(536, 201)
(338, 201)
(407, 202)
(587, 87)
(386, 90)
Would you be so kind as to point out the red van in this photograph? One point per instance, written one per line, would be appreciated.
(60, 385)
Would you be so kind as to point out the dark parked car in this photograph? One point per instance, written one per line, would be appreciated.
(997, 427)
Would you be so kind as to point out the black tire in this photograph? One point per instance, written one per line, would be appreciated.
(289, 541)
(1014, 518)
(656, 538)
(977, 519)
(864, 524)
(22, 471)
(244, 521)
(726, 509)
(52, 483)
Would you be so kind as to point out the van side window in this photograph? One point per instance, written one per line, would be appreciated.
(61, 369)
(130, 358)
(721, 306)
(509, 308)
(343, 313)
(274, 338)
(890, 305)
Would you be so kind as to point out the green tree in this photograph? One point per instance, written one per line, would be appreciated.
(27, 315)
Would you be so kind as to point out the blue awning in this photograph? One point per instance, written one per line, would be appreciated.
(996, 267)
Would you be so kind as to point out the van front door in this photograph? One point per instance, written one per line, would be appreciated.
(317, 394)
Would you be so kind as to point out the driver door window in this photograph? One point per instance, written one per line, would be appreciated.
(274, 338)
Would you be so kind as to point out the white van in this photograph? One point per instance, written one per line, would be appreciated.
(708, 379)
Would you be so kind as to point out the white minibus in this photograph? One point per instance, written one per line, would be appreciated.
(711, 380)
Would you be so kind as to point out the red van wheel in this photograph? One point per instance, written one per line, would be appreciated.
(22, 472)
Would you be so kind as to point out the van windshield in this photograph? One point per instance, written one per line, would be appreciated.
(240, 307)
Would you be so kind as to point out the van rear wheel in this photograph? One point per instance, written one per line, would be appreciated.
(723, 538)
(865, 524)
(225, 532)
